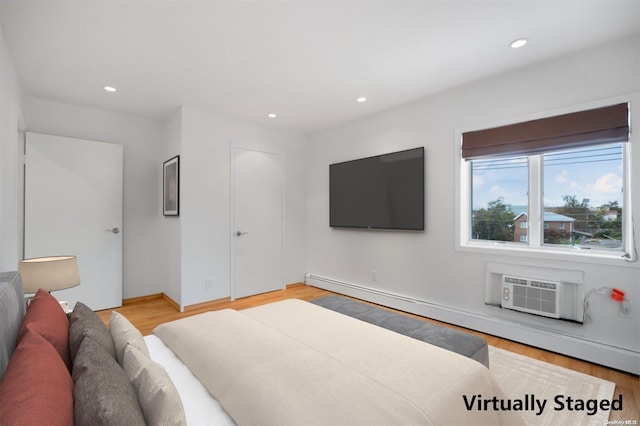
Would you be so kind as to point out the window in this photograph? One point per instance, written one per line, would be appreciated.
(552, 184)
(499, 195)
(580, 187)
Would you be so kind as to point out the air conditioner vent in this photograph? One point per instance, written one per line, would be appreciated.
(514, 280)
(543, 284)
(531, 295)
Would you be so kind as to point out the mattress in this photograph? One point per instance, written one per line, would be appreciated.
(290, 362)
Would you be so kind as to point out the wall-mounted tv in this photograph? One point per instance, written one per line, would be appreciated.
(381, 192)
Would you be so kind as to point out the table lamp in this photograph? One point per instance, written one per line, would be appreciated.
(49, 273)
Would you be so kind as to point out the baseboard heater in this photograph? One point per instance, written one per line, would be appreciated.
(534, 296)
(545, 333)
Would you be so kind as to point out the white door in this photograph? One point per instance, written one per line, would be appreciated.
(73, 206)
(257, 220)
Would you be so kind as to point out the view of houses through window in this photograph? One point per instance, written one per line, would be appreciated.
(581, 201)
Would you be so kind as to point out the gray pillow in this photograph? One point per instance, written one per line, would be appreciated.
(84, 322)
(102, 393)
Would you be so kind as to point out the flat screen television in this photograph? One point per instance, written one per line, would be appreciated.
(381, 192)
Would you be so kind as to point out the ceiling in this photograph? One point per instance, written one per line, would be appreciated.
(306, 61)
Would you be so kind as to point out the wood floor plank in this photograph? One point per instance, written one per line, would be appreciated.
(148, 312)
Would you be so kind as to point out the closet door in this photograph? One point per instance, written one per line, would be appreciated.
(73, 206)
(257, 219)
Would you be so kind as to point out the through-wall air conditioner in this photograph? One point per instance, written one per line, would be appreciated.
(531, 295)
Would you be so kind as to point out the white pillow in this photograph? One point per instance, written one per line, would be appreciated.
(157, 395)
(124, 333)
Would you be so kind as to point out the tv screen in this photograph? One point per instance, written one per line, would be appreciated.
(381, 192)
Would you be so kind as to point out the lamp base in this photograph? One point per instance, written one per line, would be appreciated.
(65, 307)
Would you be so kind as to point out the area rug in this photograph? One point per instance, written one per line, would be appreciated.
(522, 377)
(465, 344)
(569, 397)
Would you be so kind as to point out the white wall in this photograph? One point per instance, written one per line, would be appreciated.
(205, 161)
(11, 147)
(425, 265)
(144, 250)
(171, 253)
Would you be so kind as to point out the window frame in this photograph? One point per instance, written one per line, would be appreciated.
(535, 247)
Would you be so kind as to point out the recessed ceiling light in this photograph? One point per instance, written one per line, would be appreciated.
(110, 88)
(271, 115)
(518, 43)
(361, 99)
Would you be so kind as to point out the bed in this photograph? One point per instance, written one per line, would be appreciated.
(255, 366)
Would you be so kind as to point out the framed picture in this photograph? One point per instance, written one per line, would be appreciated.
(171, 187)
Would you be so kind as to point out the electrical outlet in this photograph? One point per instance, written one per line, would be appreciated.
(208, 284)
(374, 275)
(625, 309)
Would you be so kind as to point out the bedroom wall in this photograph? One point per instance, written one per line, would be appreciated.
(206, 140)
(425, 266)
(144, 267)
(171, 258)
(11, 98)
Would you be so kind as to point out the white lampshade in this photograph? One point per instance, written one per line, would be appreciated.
(49, 273)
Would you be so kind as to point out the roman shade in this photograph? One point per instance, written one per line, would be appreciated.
(575, 130)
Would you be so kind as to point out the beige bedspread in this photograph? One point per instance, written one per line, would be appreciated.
(292, 363)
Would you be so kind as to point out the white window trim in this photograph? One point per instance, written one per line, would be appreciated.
(535, 249)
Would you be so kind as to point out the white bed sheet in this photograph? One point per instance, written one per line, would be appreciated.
(200, 407)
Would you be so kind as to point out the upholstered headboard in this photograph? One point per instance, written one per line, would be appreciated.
(12, 309)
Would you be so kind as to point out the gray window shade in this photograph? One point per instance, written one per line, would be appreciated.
(579, 129)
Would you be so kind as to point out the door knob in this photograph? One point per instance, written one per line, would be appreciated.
(113, 230)
(240, 233)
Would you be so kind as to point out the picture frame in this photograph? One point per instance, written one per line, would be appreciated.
(171, 187)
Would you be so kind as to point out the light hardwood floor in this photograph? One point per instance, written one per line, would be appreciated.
(148, 312)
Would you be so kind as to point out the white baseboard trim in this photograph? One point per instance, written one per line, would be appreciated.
(551, 340)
